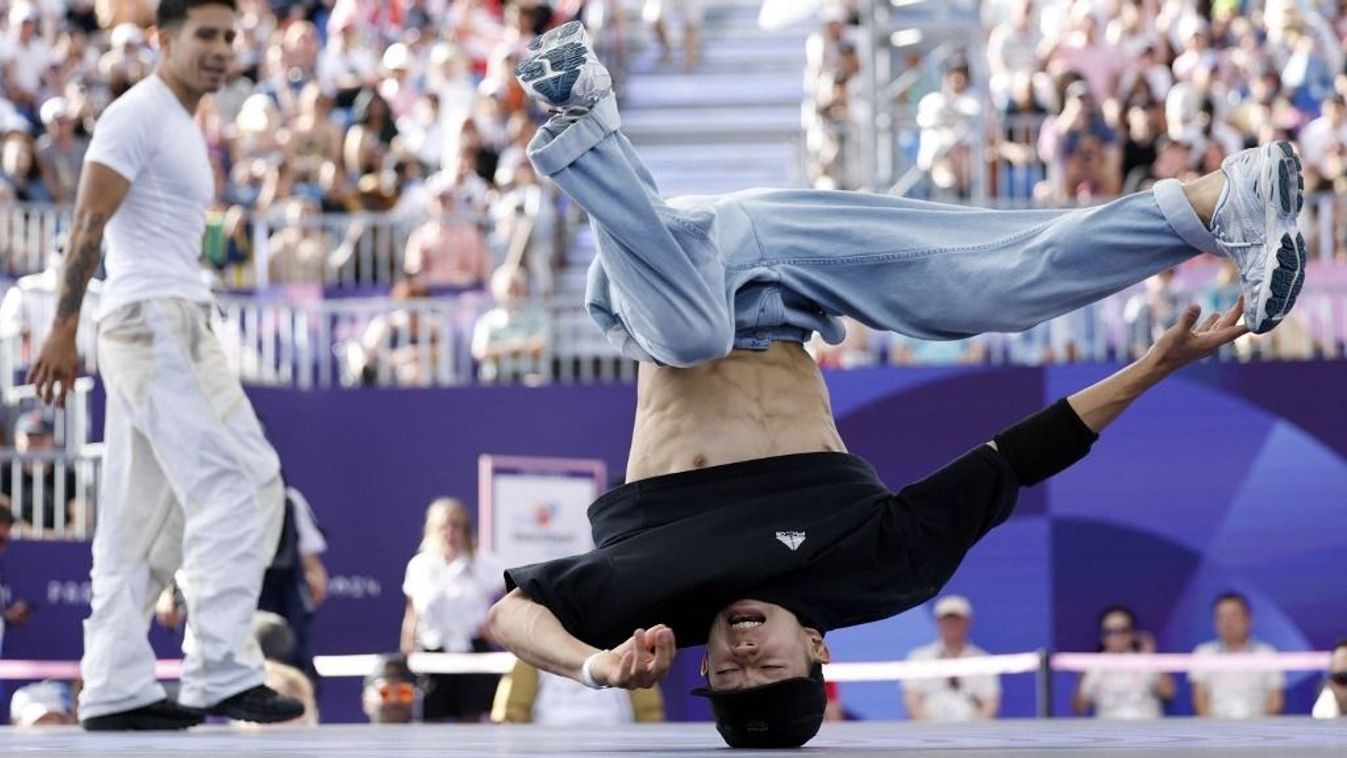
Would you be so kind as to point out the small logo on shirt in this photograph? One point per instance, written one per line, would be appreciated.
(792, 540)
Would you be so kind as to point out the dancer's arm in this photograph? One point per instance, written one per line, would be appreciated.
(533, 633)
(101, 192)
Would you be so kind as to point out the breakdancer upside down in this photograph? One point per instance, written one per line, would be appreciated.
(746, 525)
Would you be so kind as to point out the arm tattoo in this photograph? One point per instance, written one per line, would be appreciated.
(86, 240)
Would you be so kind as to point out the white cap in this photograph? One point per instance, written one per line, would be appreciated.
(53, 109)
(397, 57)
(953, 605)
(126, 34)
(22, 12)
(31, 703)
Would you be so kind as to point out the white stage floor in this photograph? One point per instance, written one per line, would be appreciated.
(1280, 737)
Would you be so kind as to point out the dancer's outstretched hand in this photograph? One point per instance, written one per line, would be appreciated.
(1187, 341)
(640, 662)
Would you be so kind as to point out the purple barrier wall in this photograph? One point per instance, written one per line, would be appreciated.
(1226, 477)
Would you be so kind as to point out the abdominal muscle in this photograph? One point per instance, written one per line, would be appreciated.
(748, 405)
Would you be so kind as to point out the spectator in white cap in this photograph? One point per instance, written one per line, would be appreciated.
(60, 150)
(46, 703)
(952, 698)
(24, 56)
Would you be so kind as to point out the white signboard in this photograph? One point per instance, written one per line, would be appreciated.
(534, 509)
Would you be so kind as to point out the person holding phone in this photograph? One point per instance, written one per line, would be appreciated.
(1118, 693)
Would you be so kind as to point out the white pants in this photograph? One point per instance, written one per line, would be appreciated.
(189, 481)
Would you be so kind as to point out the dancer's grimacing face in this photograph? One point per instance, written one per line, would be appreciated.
(752, 643)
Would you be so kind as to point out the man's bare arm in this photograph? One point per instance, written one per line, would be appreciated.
(101, 193)
(534, 634)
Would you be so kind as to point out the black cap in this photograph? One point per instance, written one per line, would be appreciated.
(782, 714)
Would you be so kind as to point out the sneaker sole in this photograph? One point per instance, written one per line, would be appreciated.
(554, 68)
(1284, 265)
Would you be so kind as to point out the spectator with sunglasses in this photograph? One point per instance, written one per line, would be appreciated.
(391, 695)
(1332, 702)
(1118, 693)
(953, 698)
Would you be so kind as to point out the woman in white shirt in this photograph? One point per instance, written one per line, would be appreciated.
(449, 589)
(1117, 693)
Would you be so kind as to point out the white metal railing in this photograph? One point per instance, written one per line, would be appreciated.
(361, 249)
(412, 343)
(53, 493)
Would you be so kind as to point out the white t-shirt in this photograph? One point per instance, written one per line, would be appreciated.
(29, 61)
(154, 238)
(566, 702)
(941, 699)
(1237, 694)
(451, 598)
(1118, 694)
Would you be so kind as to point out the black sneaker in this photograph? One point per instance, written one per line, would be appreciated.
(260, 704)
(163, 715)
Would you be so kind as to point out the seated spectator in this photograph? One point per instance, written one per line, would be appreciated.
(24, 57)
(19, 169)
(1118, 693)
(405, 345)
(449, 589)
(947, 119)
(298, 249)
(1082, 145)
(449, 249)
(1332, 700)
(527, 223)
(34, 490)
(46, 703)
(1323, 146)
(60, 151)
(509, 341)
(1172, 158)
(1149, 313)
(127, 61)
(390, 694)
(1235, 694)
(953, 698)
(529, 696)
(29, 305)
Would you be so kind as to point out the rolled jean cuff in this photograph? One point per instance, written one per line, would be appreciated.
(1181, 216)
(552, 153)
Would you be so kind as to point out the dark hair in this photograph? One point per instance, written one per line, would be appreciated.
(1112, 609)
(174, 12)
(6, 516)
(391, 666)
(1235, 597)
(1338, 645)
(273, 635)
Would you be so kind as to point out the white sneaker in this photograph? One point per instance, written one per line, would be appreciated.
(1255, 226)
(562, 72)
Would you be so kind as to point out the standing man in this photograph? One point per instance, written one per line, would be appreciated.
(952, 698)
(1235, 694)
(189, 480)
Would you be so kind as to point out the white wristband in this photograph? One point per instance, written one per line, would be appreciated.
(587, 672)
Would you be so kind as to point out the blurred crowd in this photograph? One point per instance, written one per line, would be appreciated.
(357, 144)
(1076, 102)
(1084, 100)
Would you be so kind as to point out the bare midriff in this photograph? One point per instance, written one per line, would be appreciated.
(748, 405)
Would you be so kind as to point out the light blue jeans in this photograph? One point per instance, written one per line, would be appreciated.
(685, 280)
